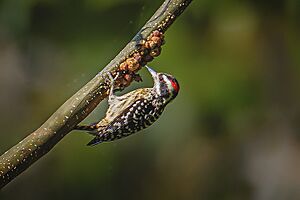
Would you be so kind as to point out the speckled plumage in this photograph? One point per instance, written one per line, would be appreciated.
(135, 110)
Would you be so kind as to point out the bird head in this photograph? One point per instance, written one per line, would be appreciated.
(165, 85)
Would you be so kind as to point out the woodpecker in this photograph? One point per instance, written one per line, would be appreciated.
(134, 111)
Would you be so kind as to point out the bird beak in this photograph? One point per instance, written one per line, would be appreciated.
(152, 72)
(155, 77)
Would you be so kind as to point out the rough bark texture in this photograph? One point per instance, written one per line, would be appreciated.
(74, 110)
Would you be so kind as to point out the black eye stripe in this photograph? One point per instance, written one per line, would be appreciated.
(161, 78)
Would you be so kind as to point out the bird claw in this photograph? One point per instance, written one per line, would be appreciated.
(111, 78)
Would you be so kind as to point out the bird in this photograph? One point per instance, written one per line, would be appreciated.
(133, 111)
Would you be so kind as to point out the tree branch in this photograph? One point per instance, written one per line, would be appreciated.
(140, 50)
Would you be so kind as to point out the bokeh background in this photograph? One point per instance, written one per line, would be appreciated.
(232, 133)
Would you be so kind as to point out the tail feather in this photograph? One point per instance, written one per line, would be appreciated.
(96, 140)
(93, 130)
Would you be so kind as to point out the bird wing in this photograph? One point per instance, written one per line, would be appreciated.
(125, 112)
(120, 103)
(133, 119)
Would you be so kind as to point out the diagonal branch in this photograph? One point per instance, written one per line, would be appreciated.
(140, 50)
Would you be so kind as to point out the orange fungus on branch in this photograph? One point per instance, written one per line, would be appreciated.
(148, 49)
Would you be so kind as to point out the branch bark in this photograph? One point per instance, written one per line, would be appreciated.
(21, 156)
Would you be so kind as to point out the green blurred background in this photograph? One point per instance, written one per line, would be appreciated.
(232, 133)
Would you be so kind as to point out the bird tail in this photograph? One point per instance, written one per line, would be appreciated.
(93, 130)
(96, 140)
